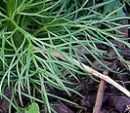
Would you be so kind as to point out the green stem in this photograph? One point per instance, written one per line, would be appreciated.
(10, 7)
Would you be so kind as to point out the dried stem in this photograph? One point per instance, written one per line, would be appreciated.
(90, 70)
(100, 95)
(94, 72)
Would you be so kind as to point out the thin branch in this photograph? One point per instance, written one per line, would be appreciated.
(90, 70)
(100, 95)
(94, 72)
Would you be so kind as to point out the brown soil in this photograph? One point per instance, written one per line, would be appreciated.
(111, 100)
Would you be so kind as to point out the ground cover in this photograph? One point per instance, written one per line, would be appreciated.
(64, 56)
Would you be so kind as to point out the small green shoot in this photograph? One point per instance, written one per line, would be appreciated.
(33, 108)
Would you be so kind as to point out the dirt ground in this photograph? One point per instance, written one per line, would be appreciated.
(111, 101)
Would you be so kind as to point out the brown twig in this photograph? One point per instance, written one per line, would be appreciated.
(99, 97)
(94, 72)
(90, 70)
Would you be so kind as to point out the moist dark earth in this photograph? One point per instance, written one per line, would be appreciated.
(113, 101)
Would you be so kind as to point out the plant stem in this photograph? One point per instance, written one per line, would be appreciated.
(100, 95)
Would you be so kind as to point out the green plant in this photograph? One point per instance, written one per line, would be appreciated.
(31, 30)
(33, 108)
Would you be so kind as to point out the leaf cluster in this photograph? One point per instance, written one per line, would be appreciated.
(32, 29)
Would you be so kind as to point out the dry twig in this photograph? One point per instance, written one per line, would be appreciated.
(100, 94)
(94, 72)
(90, 70)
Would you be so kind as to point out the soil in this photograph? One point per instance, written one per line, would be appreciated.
(111, 101)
